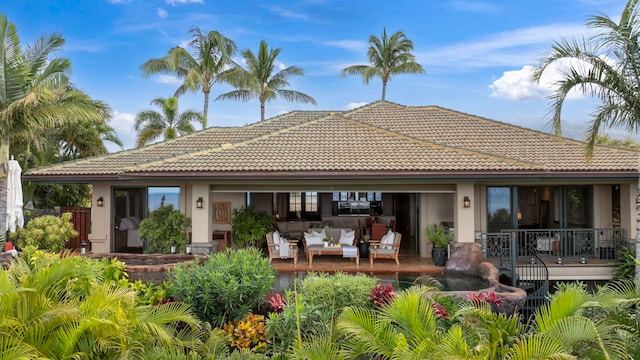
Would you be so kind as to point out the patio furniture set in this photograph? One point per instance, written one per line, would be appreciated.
(332, 241)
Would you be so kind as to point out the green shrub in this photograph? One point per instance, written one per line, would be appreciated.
(163, 228)
(49, 233)
(297, 315)
(625, 267)
(332, 293)
(224, 288)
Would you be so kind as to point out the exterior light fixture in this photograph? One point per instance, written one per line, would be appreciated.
(83, 247)
(100, 201)
(466, 202)
(173, 247)
(187, 248)
(200, 203)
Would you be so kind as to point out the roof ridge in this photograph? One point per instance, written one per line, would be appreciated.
(443, 146)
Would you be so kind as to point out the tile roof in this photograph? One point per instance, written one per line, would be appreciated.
(381, 139)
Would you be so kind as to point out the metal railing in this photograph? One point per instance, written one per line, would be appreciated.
(553, 245)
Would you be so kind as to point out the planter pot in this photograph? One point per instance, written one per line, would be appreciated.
(439, 257)
(363, 248)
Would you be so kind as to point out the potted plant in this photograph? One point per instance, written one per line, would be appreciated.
(440, 238)
(249, 227)
(363, 246)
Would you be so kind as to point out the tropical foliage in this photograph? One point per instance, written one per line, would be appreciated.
(260, 80)
(603, 66)
(249, 227)
(200, 70)
(43, 117)
(63, 308)
(388, 55)
(169, 123)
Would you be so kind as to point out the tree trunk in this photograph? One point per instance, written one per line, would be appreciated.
(261, 111)
(206, 110)
(384, 89)
(635, 240)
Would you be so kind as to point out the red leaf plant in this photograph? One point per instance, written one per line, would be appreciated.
(382, 294)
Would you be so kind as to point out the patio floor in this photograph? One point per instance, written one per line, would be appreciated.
(326, 263)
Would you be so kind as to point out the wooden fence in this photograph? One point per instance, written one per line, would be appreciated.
(81, 219)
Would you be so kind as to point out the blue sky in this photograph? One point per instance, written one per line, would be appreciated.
(477, 54)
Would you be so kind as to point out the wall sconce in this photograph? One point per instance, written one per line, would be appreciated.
(519, 215)
(200, 203)
(466, 202)
(100, 201)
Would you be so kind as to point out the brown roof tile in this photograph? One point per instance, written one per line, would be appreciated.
(380, 139)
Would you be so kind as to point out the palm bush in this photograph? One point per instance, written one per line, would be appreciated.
(62, 308)
(224, 288)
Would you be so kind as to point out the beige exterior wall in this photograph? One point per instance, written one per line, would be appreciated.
(100, 236)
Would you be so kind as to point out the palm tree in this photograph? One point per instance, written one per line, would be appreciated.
(607, 67)
(170, 124)
(387, 56)
(261, 81)
(200, 71)
(36, 97)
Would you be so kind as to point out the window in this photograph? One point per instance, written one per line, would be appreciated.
(498, 208)
(162, 196)
(303, 205)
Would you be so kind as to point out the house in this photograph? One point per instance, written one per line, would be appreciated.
(417, 166)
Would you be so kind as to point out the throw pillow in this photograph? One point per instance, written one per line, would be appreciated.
(387, 239)
(275, 237)
(313, 239)
(347, 237)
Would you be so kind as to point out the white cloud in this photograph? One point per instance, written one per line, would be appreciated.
(162, 13)
(288, 13)
(519, 85)
(168, 79)
(123, 124)
(353, 105)
(281, 66)
(474, 6)
(176, 2)
(506, 49)
(351, 45)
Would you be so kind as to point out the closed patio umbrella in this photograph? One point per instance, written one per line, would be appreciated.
(15, 217)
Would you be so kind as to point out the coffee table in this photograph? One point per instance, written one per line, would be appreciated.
(330, 250)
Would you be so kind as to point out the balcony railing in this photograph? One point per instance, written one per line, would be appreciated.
(552, 245)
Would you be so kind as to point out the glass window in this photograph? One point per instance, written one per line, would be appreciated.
(498, 208)
(311, 202)
(295, 201)
(162, 196)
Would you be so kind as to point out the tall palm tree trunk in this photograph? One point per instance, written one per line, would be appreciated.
(262, 111)
(384, 89)
(205, 110)
(637, 243)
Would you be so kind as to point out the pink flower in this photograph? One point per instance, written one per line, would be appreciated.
(277, 303)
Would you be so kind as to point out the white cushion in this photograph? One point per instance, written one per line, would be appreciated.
(275, 237)
(322, 234)
(313, 238)
(347, 237)
(387, 239)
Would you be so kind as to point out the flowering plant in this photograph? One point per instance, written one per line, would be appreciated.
(382, 294)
